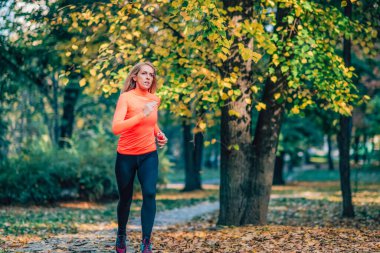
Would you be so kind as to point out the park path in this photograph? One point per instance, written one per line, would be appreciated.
(101, 237)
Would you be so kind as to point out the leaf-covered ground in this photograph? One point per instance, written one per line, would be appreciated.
(303, 217)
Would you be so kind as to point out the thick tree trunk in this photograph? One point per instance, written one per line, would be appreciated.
(278, 176)
(71, 95)
(329, 150)
(236, 162)
(247, 173)
(344, 137)
(264, 153)
(235, 193)
(265, 144)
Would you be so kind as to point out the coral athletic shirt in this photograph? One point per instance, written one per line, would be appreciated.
(137, 132)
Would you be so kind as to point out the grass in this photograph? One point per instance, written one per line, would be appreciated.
(370, 175)
(357, 175)
(178, 175)
(66, 217)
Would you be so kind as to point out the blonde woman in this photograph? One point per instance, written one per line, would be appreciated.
(135, 120)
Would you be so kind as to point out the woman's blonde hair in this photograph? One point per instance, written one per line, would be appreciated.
(130, 84)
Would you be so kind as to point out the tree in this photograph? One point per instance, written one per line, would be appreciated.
(219, 56)
(344, 136)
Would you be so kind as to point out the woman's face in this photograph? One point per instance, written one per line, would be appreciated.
(144, 77)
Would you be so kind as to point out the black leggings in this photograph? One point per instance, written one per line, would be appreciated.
(146, 166)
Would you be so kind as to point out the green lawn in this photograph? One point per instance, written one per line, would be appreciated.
(178, 176)
(371, 175)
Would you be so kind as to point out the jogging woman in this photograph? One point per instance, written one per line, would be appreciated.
(135, 119)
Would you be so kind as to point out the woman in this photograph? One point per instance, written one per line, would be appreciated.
(135, 119)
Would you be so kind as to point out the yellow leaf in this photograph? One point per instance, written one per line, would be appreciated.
(202, 125)
(233, 112)
(213, 141)
(64, 80)
(273, 79)
(106, 88)
(304, 61)
(68, 54)
(82, 82)
(222, 56)
(93, 72)
(277, 96)
(224, 96)
(260, 106)
(75, 47)
(248, 101)
(254, 89)
(295, 110)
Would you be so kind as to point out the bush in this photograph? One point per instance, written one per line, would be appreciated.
(84, 171)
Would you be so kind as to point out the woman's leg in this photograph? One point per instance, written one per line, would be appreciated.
(125, 170)
(148, 173)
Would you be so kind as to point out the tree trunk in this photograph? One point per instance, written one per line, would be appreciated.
(247, 173)
(4, 143)
(264, 152)
(344, 137)
(198, 153)
(278, 177)
(71, 95)
(329, 150)
(235, 164)
(55, 110)
(235, 132)
(192, 175)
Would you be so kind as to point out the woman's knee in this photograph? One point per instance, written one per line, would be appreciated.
(149, 194)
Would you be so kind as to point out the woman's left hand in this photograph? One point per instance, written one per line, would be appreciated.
(161, 139)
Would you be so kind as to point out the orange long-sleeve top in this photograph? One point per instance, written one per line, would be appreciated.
(137, 132)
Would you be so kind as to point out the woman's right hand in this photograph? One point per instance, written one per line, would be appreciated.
(149, 107)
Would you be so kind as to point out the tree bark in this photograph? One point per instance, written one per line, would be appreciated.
(247, 173)
(344, 137)
(236, 162)
(264, 152)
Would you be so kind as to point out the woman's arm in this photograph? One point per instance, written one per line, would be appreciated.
(119, 125)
